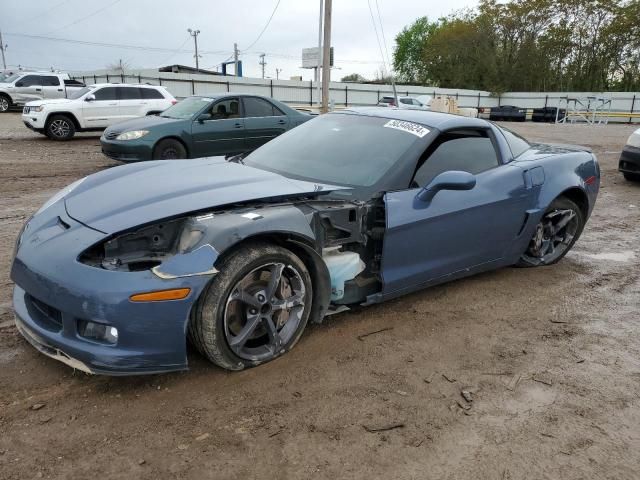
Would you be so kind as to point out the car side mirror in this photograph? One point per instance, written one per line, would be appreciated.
(451, 180)
(203, 117)
(90, 98)
(19, 84)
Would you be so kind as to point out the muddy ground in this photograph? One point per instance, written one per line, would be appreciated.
(551, 357)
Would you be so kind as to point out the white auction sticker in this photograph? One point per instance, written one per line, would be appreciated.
(410, 127)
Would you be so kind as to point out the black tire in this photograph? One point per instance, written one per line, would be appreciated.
(60, 128)
(631, 177)
(5, 103)
(169, 149)
(550, 243)
(234, 325)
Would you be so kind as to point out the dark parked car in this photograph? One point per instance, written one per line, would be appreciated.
(508, 113)
(548, 114)
(629, 163)
(115, 272)
(201, 127)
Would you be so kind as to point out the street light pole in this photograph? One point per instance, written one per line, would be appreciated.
(2, 47)
(194, 34)
(262, 63)
(326, 64)
(317, 72)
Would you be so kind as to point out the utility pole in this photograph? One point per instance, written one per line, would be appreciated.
(194, 34)
(262, 63)
(235, 57)
(326, 64)
(2, 49)
(317, 70)
(278, 70)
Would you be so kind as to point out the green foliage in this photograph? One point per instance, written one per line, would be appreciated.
(354, 77)
(526, 45)
(408, 56)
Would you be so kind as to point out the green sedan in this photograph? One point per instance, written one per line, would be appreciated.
(201, 126)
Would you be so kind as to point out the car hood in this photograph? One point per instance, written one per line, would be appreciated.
(53, 101)
(123, 197)
(142, 123)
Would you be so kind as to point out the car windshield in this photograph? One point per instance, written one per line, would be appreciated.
(11, 78)
(79, 93)
(187, 108)
(342, 149)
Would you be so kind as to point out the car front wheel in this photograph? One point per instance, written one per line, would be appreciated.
(5, 103)
(169, 149)
(60, 127)
(555, 234)
(255, 309)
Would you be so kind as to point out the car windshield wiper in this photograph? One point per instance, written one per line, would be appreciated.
(237, 158)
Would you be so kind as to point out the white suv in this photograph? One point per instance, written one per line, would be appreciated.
(94, 108)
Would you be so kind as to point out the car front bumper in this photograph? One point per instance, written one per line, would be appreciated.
(55, 292)
(34, 121)
(629, 160)
(127, 151)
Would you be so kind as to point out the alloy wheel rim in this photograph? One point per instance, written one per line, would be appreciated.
(263, 311)
(553, 236)
(59, 128)
(4, 105)
(169, 154)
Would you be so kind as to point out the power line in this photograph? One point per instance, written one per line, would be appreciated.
(375, 29)
(84, 18)
(265, 27)
(384, 40)
(46, 12)
(111, 45)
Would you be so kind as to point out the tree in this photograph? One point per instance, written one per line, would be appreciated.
(526, 45)
(119, 67)
(408, 58)
(354, 77)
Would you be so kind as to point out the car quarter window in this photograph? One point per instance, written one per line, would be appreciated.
(258, 107)
(106, 93)
(129, 93)
(151, 94)
(517, 144)
(466, 150)
(29, 81)
(227, 108)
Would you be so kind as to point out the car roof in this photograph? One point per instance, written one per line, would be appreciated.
(441, 121)
(97, 85)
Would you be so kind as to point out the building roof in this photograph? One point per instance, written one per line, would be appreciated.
(177, 68)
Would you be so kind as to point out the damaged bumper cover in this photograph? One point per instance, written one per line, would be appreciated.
(55, 294)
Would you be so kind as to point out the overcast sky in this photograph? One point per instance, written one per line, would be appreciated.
(162, 24)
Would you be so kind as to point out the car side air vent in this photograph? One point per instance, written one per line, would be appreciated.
(63, 224)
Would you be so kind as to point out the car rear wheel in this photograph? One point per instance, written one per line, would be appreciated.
(5, 103)
(255, 309)
(60, 127)
(169, 149)
(555, 234)
(632, 177)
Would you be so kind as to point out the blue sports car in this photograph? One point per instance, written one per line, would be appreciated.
(116, 272)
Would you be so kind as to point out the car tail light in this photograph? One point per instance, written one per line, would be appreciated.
(174, 101)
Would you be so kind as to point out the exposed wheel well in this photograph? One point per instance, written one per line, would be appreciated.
(303, 248)
(178, 139)
(579, 197)
(7, 96)
(66, 114)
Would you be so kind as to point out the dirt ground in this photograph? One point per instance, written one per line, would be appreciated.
(550, 356)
